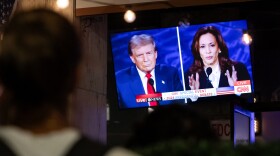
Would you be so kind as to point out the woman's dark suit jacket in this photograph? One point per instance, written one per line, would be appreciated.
(242, 74)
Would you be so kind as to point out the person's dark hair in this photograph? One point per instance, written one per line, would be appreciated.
(171, 122)
(140, 40)
(39, 56)
(224, 60)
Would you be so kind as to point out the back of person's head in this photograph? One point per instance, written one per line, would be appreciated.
(39, 56)
(171, 122)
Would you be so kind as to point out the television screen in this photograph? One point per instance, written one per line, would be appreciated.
(181, 64)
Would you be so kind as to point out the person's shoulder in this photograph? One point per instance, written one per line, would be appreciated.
(188, 72)
(239, 65)
(5, 149)
(125, 71)
(87, 147)
(116, 151)
(165, 67)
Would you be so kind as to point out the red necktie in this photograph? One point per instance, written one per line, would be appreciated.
(150, 89)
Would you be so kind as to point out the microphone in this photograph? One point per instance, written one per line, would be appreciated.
(151, 82)
(208, 71)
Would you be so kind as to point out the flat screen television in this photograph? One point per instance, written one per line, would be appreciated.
(243, 126)
(173, 48)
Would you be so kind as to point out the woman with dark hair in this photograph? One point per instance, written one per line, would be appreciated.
(212, 67)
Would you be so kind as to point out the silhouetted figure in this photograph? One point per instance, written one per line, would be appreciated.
(169, 123)
(39, 62)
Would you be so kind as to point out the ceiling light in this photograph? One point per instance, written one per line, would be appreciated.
(62, 4)
(246, 38)
(129, 16)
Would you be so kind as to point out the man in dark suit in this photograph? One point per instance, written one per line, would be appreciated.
(135, 80)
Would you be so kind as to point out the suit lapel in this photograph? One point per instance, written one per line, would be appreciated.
(160, 81)
(135, 82)
(223, 80)
(202, 78)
